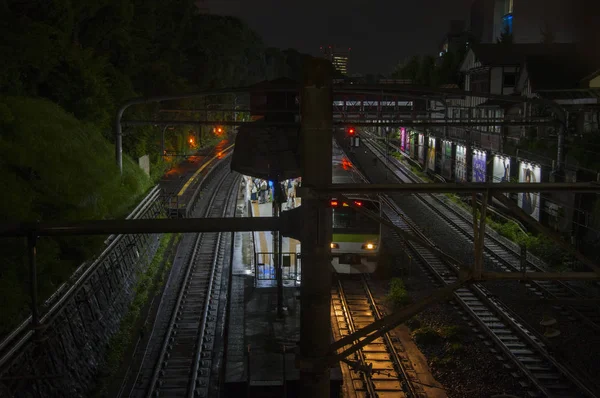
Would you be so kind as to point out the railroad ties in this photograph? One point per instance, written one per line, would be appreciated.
(380, 368)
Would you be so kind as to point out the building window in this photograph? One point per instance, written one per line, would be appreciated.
(510, 79)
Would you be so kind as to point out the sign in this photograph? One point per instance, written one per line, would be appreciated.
(529, 202)
(421, 149)
(144, 163)
(446, 164)
(402, 139)
(501, 170)
(461, 164)
(431, 154)
(479, 165)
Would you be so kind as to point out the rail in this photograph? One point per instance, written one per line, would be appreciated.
(503, 312)
(191, 272)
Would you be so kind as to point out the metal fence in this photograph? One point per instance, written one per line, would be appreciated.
(264, 267)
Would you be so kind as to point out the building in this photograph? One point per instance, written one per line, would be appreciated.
(494, 69)
(339, 57)
(530, 21)
(456, 39)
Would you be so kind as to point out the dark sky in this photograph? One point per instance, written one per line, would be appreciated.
(380, 32)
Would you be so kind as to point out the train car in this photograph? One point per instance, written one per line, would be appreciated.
(356, 237)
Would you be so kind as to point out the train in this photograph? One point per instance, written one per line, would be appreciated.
(356, 238)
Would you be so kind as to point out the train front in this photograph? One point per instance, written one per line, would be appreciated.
(356, 237)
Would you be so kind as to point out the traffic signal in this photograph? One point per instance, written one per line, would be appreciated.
(351, 131)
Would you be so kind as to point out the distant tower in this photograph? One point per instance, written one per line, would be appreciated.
(339, 57)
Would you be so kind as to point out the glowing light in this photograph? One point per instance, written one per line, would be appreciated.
(334, 202)
(191, 141)
(369, 246)
(358, 203)
(334, 245)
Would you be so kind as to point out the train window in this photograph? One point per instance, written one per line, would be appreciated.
(347, 219)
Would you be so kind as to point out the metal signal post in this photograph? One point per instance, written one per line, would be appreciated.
(315, 323)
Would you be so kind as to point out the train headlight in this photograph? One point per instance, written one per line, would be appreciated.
(334, 245)
(369, 246)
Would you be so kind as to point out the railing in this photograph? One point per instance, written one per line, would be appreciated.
(264, 268)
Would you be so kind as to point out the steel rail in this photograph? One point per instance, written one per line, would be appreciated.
(392, 350)
(206, 179)
(501, 310)
(531, 268)
(368, 381)
(152, 386)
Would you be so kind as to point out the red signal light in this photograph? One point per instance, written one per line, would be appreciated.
(334, 203)
(356, 202)
(351, 130)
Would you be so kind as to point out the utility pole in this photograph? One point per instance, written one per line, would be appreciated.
(315, 295)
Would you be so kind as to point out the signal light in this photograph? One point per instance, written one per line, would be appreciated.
(356, 202)
(334, 203)
(219, 130)
(351, 130)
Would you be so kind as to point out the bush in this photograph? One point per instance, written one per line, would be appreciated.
(426, 335)
(451, 333)
(398, 295)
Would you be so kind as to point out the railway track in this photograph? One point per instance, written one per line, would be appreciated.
(528, 353)
(178, 359)
(503, 256)
(380, 368)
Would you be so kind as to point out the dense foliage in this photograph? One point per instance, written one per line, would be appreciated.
(66, 66)
(430, 71)
(54, 167)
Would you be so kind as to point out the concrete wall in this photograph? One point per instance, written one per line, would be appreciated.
(75, 341)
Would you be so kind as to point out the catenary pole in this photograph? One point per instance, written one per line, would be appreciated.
(315, 323)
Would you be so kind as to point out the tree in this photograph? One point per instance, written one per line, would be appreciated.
(426, 71)
(408, 70)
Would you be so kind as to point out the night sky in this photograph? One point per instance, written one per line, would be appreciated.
(380, 33)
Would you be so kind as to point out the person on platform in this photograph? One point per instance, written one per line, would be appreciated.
(528, 206)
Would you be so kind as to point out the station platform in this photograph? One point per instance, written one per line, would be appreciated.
(179, 184)
(260, 350)
(263, 247)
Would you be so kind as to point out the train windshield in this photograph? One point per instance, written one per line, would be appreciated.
(348, 220)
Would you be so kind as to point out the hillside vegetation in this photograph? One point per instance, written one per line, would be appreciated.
(66, 67)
